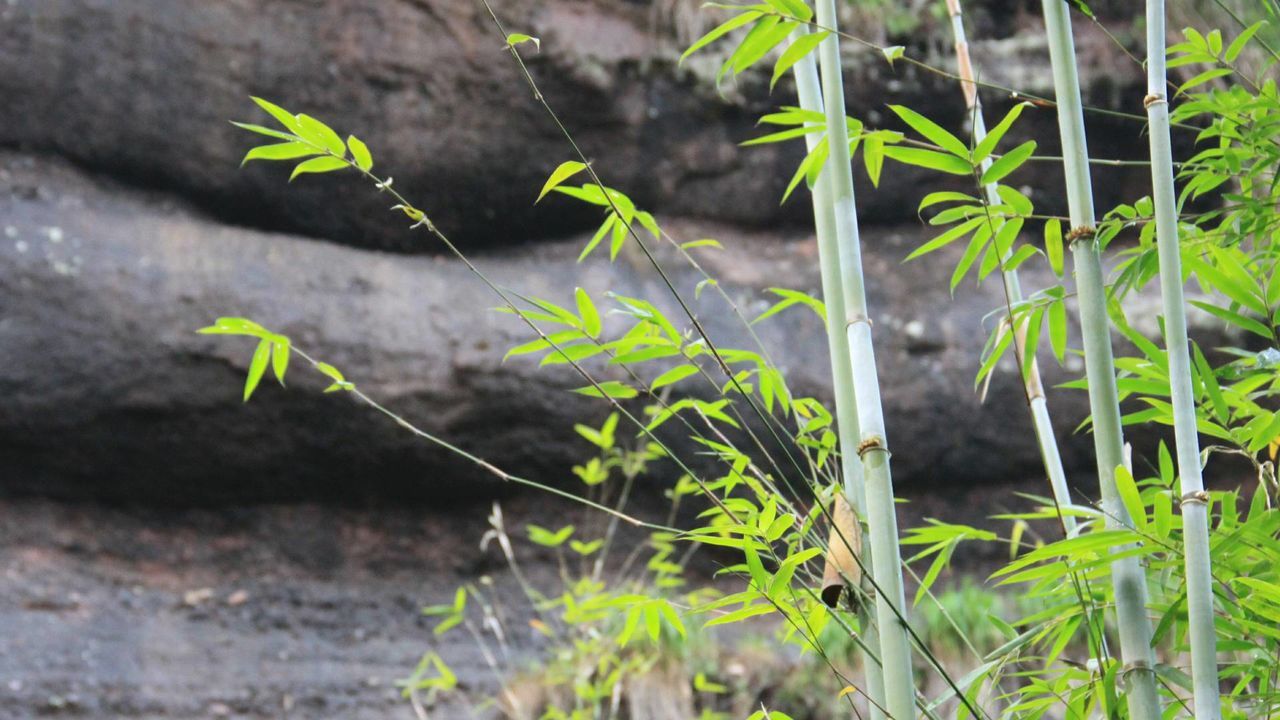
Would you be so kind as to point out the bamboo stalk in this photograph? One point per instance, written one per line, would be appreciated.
(1195, 511)
(1012, 287)
(882, 522)
(1127, 576)
(833, 294)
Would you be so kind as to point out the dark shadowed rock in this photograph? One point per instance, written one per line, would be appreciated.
(110, 393)
(143, 89)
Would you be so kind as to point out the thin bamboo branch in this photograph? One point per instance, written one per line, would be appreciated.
(1012, 287)
(809, 93)
(1127, 575)
(895, 649)
(1195, 511)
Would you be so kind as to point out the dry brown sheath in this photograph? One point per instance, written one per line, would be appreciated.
(844, 546)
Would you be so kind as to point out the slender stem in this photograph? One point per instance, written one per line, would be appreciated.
(1127, 575)
(886, 565)
(810, 97)
(1195, 511)
(1013, 288)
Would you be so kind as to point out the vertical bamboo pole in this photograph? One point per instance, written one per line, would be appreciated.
(810, 97)
(872, 448)
(1012, 287)
(1126, 573)
(1195, 521)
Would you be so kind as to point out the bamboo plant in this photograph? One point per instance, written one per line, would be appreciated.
(1127, 575)
(872, 446)
(809, 94)
(1204, 661)
(1012, 287)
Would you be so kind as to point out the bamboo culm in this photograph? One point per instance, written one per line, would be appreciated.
(809, 94)
(1127, 576)
(1013, 288)
(872, 448)
(1195, 511)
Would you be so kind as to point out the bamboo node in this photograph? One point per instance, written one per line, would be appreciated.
(1084, 232)
(1135, 666)
(1152, 99)
(871, 443)
(1198, 496)
(858, 319)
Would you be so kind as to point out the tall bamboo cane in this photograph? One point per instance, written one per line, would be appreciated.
(872, 448)
(1012, 287)
(833, 295)
(1195, 521)
(1127, 576)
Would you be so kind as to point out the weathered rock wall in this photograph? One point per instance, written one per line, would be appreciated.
(110, 393)
(142, 90)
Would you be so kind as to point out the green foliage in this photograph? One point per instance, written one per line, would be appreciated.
(772, 455)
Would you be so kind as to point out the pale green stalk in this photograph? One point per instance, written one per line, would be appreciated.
(882, 522)
(1195, 511)
(810, 97)
(1012, 287)
(1127, 576)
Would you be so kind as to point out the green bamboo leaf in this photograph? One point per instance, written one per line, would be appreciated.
(1233, 51)
(235, 326)
(282, 116)
(740, 615)
(941, 162)
(360, 153)
(802, 46)
(618, 240)
(1008, 162)
(257, 366)
(330, 371)
(570, 354)
(515, 39)
(704, 242)
(587, 309)
(1221, 410)
(809, 168)
(322, 135)
(1131, 498)
(764, 37)
(873, 158)
(280, 358)
(976, 246)
(674, 375)
(609, 388)
(933, 132)
(265, 131)
(1241, 321)
(604, 229)
(1031, 343)
(1004, 339)
(792, 8)
(567, 169)
(1018, 257)
(547, 538)
(946, 238)
(1057, 329)
(942, 196)
(720, 30)
(995, 134)
(1203, 78)
(281, 151)
(1053, 245)
(323, 164)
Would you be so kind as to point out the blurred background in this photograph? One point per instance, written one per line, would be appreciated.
(169, 551)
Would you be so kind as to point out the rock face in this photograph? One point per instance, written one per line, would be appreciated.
(110, 393)
(143, 89)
